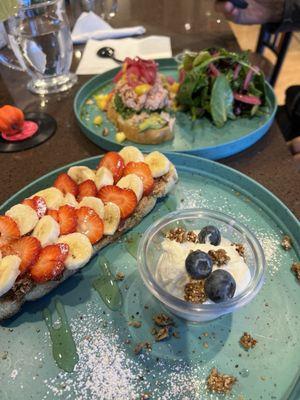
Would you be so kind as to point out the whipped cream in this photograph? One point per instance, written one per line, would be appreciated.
(171, 273)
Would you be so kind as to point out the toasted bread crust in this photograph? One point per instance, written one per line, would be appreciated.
(132, 132)
(10, 304)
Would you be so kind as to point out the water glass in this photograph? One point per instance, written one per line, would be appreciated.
(40, 38)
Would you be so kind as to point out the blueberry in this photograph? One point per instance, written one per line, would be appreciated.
(212, 233)
(198, 264)
(219, 286)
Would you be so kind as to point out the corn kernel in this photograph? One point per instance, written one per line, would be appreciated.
(174, 87)
(120, 137)
(101, 103)
(98, 120)
(142, 89)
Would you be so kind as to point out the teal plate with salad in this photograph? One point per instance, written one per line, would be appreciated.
(207, 124)
(89, 352)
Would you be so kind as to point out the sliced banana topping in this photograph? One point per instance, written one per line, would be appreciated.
(158, 164)
(104, 177)
(24, 216)
(133, 182)
(80, 250)
(94, 203)
(53, 197)
(46, 230)
(112, 217)
(131, 153)
(81, 173)
(70, 200)
(9, 271)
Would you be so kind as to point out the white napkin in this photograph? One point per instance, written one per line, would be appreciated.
(149, 48)
(91, 26)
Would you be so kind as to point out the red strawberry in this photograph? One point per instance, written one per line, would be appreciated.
(66, 184)
(125, 199)
(90, 224)
(114, 162)
(142, 170)
(38, 204)
(50, 263)
(87, 188)
(53, 214)
(67, 219)
(27, 248)
(9, 230)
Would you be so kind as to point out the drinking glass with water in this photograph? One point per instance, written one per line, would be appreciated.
(40, 38)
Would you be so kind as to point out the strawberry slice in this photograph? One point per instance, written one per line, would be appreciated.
(38, 204)
(143, 171)
(87, 188)
(89, 223)
(27, 248)
(9, 230)
(66, 184)
(53, 214)
(50, 263)
(67, 219)
(125, 199)
(115, 163)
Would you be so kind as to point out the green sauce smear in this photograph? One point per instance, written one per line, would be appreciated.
(63, 345)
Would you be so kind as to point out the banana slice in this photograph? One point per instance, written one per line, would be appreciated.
(53, 197)
(81, 173)
(112, 216)
(131, 153)
(80, 250)
(9, 271)
(158, 164)
(94, 203)
(24, 216)
(70, 200)
(47, 230)
(133, 182)
(104, 177)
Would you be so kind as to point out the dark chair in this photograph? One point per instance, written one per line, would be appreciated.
(278, 43)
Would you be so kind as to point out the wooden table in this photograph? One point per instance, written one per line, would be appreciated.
(191, 24)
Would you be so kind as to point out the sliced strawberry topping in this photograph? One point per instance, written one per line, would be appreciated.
(143, 171)
(87, 188)
(114, 162)
(125, 199)
(53, 214)
(50, 264)
(90, 224)
(66, 184)
(9, 230)
(67, 219)
(38, 204)
(27, 248)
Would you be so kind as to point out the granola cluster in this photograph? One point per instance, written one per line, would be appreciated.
(194, 291)
(219, 257)
(180, 235)
(240, 248)
(296, 269)
(220, 383)
(286, 243)
(166, 324)
(247, 341)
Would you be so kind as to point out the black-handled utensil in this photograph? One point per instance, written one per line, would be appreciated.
(242, 4)
(108, 52)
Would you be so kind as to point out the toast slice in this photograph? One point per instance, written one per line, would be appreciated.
(27, 290)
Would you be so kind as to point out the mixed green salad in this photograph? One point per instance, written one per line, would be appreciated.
(221, 84)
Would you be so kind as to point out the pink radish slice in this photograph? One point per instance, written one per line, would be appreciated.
(247, 99)
(214, 70)
(248, 79)
(29, 129)
(237, 71)
(170, 80)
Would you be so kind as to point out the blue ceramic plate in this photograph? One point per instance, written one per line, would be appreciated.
(175, 368)
(198, 137)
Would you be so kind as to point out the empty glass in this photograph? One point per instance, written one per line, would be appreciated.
(40, 38)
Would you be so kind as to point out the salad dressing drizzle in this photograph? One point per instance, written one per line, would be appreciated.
(107, 287)
(63, 345)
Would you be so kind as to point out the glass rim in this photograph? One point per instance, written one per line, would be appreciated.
(174, 302)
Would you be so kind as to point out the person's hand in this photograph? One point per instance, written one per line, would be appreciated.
(294, 146)
(257, 12)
